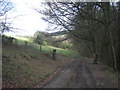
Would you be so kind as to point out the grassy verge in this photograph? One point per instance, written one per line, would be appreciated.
(24, 66)
(113, 74)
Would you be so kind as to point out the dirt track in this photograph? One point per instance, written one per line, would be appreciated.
(78, 75)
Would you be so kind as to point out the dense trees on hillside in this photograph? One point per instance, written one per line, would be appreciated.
(57, 39)
(93, 27)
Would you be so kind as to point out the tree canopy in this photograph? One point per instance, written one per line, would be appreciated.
(92, 26)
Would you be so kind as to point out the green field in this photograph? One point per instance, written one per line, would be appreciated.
(46, 49)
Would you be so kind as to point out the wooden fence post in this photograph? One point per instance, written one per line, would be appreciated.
(25, 43)
(54, 54)
(40, 48)
(16, 42)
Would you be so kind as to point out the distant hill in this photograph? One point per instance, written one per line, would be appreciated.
(59, 33)
(51, 34)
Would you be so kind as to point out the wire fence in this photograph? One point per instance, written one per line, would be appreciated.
(47, 49)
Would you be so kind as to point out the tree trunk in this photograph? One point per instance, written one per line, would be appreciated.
(118, 51)
(110, 34)
(94, 51)
(94, 38)
(113, 51)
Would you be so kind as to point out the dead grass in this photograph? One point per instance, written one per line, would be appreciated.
(102, 77)
(25, 67)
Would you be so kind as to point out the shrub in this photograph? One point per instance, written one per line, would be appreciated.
(44, 43)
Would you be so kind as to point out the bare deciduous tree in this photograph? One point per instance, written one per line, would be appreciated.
(90, 24)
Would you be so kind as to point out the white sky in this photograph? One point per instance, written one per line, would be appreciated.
(31, 20)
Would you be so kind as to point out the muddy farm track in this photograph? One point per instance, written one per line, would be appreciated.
(80, 74)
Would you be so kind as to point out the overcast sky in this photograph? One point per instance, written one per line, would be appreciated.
(26, 18)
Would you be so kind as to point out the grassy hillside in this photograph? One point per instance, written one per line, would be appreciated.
(29, 39)
(26, 66)
(46, 49)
